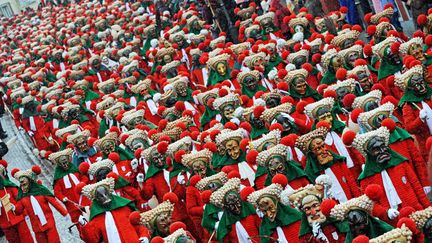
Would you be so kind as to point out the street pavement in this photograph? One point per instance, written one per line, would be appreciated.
(21, 156)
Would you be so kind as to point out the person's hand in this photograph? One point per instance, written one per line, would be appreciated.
(140, 177)
(30, 133)
(144, 240)
(427, 189)
(181, 179)
(134, 164)
(65, 199)
(392, 213)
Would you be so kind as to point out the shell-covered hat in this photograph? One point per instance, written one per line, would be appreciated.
(279, 150)
(270, 114)
(203, 184)
(312, 109)
(361, 140)
(360, 102)
(304, 141)
(90, 190)
(367, 119)
(273, 136)
(403, 80)
(218, 197)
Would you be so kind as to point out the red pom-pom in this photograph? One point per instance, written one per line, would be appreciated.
(388, 5)
(308, 67)
(246, 126)
(282, 73)
(176, 226)
(138, 152)
(355, 114)
(276, 126)
(360, 62)
(409, 223)
(205, 196)
(230, 125)
(371, 30)
(115, 157)
(3, 163)
(14, 171)
(162, 147)
(389, 124)
(343, 9)
(84, 167)
(428, 40)
(419, 33)
(374, 191)
(135, 218)
(244, 144)
(300, 106)
(157, 239)
(234, 174)
(395, 47)
(329, 38)
(258, 111)
(180, 106)
(327, 205)
(390, 81)
(422, 20)
(316, 58)
(361, 239)
(406, 211)
(367, 17)
(290, 140)
(348, 137)
(323, 124)
(357, 28)
(181, 125)
(287, 99)
(179, 155)
(393, 33)
(341, 74)
(211, 146)
(348, 100)
(282, 86)
(252, 156)
(112, 175)
(244, 194)
(170, 196)
(115, 129)
(222, 92)
(280, 179)
(36, 169)
(194, 180)
(330, 93)
(367, 49)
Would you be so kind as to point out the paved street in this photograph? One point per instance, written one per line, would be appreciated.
(20, 155)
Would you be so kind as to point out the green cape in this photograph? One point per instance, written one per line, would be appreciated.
(35, 190)
(188, 96)
(285, 215)
(309, 92)
(207, 116)
(313, 168)
(228, 219)
(293, 171)
(5, 182)
(60, 172)
(399, 134)
(271, 65)
(214, 77)
(210, 217)
(153, 170)
(257, 132)
(387, 69)
(251, 93)
(410, 97)
(117, 202)
(372, 168)
(227, 160)
(329, 78)
(376, 228)
(305, 228)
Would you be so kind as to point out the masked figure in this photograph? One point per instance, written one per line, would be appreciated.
(400, 140)
(321, 160)
(158, 220)
(226, 106)
(219, 70)
(357, 214)
(416, 106)
(33, 195)
(98, 70)
(331, 61)
(316, 226)
(14, 226)
(299, 88)
(108, 145)
(108, 219)
(66, 178)
(276, 160)
(235, 212)
(279, 222)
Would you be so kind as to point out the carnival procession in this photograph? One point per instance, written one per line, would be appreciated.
(217, 121)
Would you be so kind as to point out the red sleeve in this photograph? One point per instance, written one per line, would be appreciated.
(17, 118)
(58, 191)
(90, 233)
(194, 205)
(411, 119)
(142, 231)
(260, 181)
(19, 207)
(417, 162)
(133, 193)
(424, 201)
(147, 190)
(56, 205)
